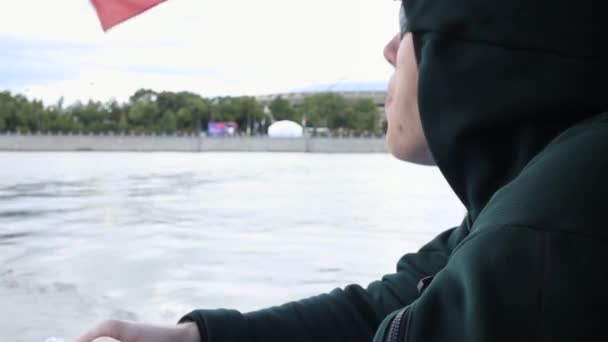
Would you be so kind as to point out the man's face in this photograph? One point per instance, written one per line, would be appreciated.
(405, 138)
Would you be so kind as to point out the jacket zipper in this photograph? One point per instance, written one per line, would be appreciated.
(398, 327)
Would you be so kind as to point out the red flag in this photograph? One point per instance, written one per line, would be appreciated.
(114, 12)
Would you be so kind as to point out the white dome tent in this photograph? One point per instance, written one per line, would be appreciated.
(285, 129)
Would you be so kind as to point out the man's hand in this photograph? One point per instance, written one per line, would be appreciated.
(137, 332)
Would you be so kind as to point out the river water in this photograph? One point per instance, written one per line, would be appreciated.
(148, 237)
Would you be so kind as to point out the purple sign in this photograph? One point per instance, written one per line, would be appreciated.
(221, 129)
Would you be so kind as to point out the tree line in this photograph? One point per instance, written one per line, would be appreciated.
(148, 111)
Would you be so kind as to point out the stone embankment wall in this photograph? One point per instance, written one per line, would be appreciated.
(158, 143)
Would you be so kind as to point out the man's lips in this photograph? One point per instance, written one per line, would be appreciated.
(389, 92)
(388, 100)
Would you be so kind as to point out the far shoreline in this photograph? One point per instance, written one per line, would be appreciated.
(38, 142)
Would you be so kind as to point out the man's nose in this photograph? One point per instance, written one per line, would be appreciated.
(390, 50)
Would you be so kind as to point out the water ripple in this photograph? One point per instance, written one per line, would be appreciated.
(90, 236)
(9, 238)
(48, 189)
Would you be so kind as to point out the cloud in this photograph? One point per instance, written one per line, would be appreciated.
(57, 48)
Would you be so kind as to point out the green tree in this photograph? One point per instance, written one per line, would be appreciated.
(39, 115)
(190, 110)
(168, 123)
(200, 111)
(184, 120)
(281, 109)
(365, 116)
(123, 124)
(57, 119)
(170, 102)
(115, 113)
(225, 109)
(149, 111)
(91, 117)
(326, 110)
(19, 114)
(142, 116)
(146, 95)
(250, 114)
(7, 111)
(60, 120)
(143, 113)
(27, 114)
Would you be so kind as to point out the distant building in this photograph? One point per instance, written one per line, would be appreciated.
(351, 91)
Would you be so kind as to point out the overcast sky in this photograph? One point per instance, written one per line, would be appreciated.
(53, 48)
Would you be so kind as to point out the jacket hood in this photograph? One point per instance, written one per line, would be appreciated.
(498, 80)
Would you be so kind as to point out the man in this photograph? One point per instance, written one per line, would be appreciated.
(508, 98)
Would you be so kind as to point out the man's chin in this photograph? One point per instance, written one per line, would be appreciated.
(419, 155)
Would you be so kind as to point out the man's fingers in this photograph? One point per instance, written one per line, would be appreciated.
(111, 328)
(124, 331)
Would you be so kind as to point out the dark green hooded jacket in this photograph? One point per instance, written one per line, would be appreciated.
(514, 105)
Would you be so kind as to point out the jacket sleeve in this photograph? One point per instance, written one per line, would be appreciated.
(351, 314)
(515, 283)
